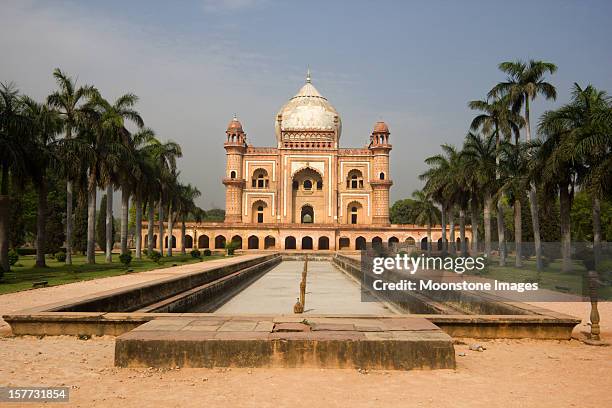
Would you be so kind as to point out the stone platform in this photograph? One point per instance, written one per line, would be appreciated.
(287, 341)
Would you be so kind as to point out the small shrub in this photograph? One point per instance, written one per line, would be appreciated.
(207, 252)
(230, 247)
(195, 253)
(13, 257)
(126, 258)
(145, 252)
(60, 256)
(26, 251)
(155, 256)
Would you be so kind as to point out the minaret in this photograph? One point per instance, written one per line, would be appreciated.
(235, 147)
(380, 182)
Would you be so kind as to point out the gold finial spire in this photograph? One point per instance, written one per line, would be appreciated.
(235, 117)
(308, 76)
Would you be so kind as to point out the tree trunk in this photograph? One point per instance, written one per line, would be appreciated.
(564, 214)
(462, 232)
(69, 228)
(170, 232)
(451, 233)
(429, 243)
(91, 221)
(5, 206)
(443, 229)
(41, 221)
(487, 224)
(518, 234)
(535, 223)
(501, 233)
(160, 215)
(109, 223)
(183, 252)
(596, 230)
(151, 226)
(125, 209)
(474, 225)
(138, 232)
(533, 199)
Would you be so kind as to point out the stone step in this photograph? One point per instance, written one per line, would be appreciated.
(286, 341)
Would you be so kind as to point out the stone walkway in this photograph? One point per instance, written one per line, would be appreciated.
(13, 302)
(328, 291)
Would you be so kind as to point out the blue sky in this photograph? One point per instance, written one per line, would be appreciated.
(413, 64)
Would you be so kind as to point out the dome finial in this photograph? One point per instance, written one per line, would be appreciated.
(308, 80)
(235, 116)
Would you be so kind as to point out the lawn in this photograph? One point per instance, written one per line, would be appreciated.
(24, 273)
(551, 277)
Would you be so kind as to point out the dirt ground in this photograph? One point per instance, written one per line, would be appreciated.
(509, 373)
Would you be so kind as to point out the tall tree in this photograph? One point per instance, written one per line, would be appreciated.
(480, 155)
(69, 100)
(524, 82)
(425, 212)
(185, 206)
(43, 126)
(12, 159)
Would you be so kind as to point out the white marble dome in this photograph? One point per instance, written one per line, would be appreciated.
(308, 110)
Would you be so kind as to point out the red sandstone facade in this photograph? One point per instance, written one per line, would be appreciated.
(306, 193)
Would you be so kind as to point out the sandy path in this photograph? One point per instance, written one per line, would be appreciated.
(508, 374)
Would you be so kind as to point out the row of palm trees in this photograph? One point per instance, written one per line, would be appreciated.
(573, 150)
(97, 151)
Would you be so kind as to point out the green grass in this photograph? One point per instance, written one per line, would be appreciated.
(551, 277)
(24, 273)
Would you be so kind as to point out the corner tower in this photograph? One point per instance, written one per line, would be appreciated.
(380, 182)
(235, 147)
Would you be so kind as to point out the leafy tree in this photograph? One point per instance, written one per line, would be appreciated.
(402, 211)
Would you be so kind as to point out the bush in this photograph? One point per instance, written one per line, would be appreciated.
(60, 256)
(155, 256)
(230, 247)
(26, 251)
(126, 258)
(195, 253)
(207, 252)
(13, 257)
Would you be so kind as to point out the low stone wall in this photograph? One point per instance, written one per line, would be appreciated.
(139, 296)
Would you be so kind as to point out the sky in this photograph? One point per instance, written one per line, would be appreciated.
(413, 64)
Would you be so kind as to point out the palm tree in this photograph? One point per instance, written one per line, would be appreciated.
(576, 141)
(165, 154)
(143, 181)
(186, 206)
(114, 119)
(591, 114)
(480, 155)
(425, 212)
(524, 83)
(44, 126)
(514, 172)
(13, 155)
(497, 117)
(68, 100)
(440, 184)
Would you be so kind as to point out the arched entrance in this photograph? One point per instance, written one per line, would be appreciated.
(360, 243)
(188, 241)
(410, 241)
(307, 215)
(203, 242)
(219, 242)
(269, 242)
(173, 242)
(344, 243)
(377, 242)
(323, 243)
(253, 242)
(290, 242)
(237, 240)
(307, 243)
(424, 243)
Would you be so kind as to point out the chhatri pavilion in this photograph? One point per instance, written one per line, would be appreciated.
(306, 193)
